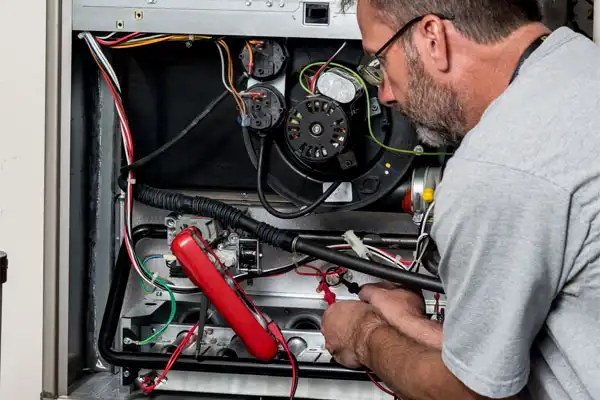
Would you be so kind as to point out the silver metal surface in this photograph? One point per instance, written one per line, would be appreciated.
(244, 18)
(423, 178)
(106, 386)
(266, 386)
(57, 200)
(215, 339)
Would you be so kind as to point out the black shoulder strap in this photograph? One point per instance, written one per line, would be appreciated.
(526, 54)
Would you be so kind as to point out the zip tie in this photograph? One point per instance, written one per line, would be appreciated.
(357, 245)
(154, 276)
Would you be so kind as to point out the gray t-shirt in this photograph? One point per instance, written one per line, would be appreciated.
(517, 224)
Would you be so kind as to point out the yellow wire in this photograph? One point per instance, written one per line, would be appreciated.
(238, 99)
(236, 95)
(178, 38)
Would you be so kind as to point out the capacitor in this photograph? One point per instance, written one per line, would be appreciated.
(339, 85)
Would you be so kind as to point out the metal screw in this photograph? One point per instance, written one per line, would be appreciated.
(269, 3)
(374, 107)
(171, 223)
(317, 129)
(210, 331)
(282, 4)
(233, 238)
(126, 374)
(127, 341)
(151, 1)
(248, 3)
(419, 149)
(349, 276)
(188, 44)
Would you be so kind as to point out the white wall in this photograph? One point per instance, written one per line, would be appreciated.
(22, 96)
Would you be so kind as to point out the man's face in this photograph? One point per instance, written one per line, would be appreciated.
(434, 108)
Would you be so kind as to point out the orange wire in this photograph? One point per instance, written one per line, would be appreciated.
(238, 98)
(251, 62)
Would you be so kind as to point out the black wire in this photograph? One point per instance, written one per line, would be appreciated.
(162, 149)
(263, 200)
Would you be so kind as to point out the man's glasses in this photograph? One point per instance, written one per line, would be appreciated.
(370, 67)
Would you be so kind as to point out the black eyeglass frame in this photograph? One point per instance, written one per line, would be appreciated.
(367, 62)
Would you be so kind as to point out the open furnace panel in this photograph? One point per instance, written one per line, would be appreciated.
(257, 104)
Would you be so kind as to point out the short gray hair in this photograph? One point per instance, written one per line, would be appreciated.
(483, 21)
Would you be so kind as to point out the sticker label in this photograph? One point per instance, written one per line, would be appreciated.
(343, 194)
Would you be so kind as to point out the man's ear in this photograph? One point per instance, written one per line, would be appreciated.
(433, 34)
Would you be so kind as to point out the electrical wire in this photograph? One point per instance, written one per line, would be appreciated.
(189, 128)
(144, 261)
(146, 388)
(380, 386)
(113, 86)
(368, 101)
(160, 331)
(251, 58)
(422, 241)
(117, 41)
(228, 82)
(263, 199)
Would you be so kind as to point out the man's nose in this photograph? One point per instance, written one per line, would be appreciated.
(386, 96)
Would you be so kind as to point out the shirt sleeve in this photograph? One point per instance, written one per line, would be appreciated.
(501, 236)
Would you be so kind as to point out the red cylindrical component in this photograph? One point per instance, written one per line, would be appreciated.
(188, 249)
(407, 205)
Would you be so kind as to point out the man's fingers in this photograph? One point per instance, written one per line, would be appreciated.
(368, 291)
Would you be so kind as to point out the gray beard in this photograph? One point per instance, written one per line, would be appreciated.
(432, 137)
(435, 110)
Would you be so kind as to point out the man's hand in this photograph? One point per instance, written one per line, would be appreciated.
(386, 297)
(346, 326)
(403, 309)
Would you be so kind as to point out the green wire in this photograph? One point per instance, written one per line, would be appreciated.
(162, 283)
(364, 85)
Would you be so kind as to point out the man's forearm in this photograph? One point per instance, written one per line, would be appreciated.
(421, 330)
(410, 369)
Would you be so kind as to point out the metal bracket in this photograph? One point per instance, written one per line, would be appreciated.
(249, 255)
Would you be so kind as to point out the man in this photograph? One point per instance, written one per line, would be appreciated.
(517, 215)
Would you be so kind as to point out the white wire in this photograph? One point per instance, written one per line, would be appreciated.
(339, 50)
(223, 69)
(141, 39)
(107, 36)
(102, 58)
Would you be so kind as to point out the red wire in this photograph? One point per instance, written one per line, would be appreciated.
(318, 272)
(172, 360)
(313, 82)
(275, 331)
(115, 42)
(383, 389)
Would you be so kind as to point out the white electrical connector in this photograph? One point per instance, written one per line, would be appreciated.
(357, 245)
(169, 258)
(228, 258)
